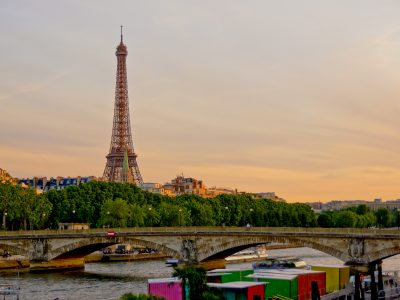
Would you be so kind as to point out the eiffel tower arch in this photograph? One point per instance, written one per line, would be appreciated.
(121, 163)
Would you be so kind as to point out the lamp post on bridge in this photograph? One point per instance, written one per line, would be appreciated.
(43, 219)
(150, 217)
(225, 216)
(251, 217)
(180, 217)
(4, 220)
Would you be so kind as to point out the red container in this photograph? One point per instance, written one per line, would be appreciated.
(304, 277)
(241, 289)
(168, 288)
(254, 291)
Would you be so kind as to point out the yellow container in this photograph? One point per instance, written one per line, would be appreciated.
(336, 276)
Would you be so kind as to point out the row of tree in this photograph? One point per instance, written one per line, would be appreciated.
(124, 205)
(360, 217)
(121, 205)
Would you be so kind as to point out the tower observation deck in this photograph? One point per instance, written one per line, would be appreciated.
(121, 163)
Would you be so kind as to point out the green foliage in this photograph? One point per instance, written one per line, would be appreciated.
(115, 213)
(22, 208)
(195, 277)
(326, 220)
(131, 296)
(383, 217)
(360, 217)
(127, 205)
(346, 219)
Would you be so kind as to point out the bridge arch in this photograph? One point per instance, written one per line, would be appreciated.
(385, 253)
(81, 247)
(224, 249)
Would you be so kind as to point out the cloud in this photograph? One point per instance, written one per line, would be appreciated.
(33, 87)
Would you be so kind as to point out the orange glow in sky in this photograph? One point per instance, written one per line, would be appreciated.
(297, 98)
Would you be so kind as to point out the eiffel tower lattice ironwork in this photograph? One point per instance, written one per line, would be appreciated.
(121, 163)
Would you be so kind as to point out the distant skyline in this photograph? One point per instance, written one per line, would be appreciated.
(300, 98)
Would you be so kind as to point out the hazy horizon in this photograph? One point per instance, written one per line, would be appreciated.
(297, 98)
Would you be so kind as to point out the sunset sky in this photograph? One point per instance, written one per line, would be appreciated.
(300, 98)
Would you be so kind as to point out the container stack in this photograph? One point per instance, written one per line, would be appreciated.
(337, 277)
(285, 285)
(242, 290)
(304, 280)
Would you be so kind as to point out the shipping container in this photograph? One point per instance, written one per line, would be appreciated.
(216, 277)
(241, 290)
(304, 280)
(168, 288)
(228, 275)
(336, 276)
(278, 284)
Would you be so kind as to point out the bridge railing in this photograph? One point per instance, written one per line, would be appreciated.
(208, 229)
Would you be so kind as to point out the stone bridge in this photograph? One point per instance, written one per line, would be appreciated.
(202, 244)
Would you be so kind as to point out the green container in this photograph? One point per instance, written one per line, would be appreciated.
(278, 284)
(231, 275)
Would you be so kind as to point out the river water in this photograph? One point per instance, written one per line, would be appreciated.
(111, 280)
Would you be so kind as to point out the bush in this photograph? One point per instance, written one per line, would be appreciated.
(131, 296)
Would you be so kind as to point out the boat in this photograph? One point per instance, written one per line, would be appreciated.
(280, 263)
(123, 252)
(250, 254)
(173, 262)
(391, 286)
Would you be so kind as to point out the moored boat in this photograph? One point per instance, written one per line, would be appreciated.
(280, 262)
(250, 254)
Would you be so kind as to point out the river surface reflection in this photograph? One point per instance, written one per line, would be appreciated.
(111, 280)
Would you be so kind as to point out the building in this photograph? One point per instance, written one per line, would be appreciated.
(343, 204)
(5, 177)
(73, 226)
(215, 191)
(185, 185)
(267, 195)
(42, 184)
(152, 187)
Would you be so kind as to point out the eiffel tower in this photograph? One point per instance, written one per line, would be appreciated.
(121, 163)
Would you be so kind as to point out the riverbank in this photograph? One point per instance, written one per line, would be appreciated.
(99, 256)
(15, 262)
(20, 263)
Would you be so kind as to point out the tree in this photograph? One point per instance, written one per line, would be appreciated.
(195, 278)
(115, 213)
(346, 219)
(383, 217)
(362, 209)
(325, 220)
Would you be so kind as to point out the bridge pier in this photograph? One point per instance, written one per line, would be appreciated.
(213, 264)
(374, 291)
(380, 281)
